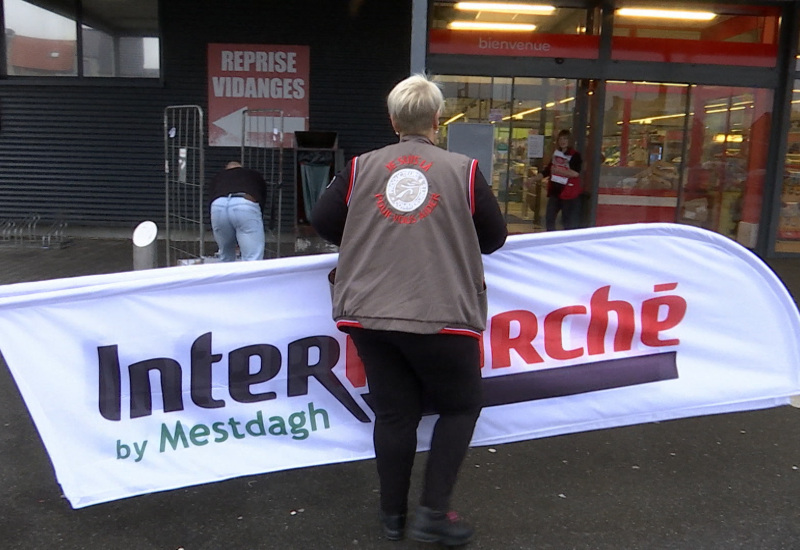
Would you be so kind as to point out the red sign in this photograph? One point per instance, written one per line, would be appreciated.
(575, 46)
(671, 50)
(271, 80)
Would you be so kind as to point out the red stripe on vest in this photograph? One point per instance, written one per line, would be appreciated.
(472, 169)
(352, 181)
(348, 323)
(461, 332)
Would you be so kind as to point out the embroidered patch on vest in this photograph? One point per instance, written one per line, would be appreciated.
(407, 190)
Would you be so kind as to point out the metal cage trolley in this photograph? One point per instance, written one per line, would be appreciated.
(262, 150)
(184, 184)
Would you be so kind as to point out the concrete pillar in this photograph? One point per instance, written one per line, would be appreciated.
(145, 246)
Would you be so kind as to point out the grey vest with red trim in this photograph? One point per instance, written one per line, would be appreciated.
(410, 259)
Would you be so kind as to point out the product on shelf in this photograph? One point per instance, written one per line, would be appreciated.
(660, 175)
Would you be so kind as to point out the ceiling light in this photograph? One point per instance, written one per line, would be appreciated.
(644, 83)
(667, 14)
(519, 116)
(712, 111)
(504, 8)
(730, 138)
(459, 115)
(649, 120)
(477, 26)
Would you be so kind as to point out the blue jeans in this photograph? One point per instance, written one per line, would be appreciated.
(237, 220)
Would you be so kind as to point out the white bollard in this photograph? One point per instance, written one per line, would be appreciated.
(145, 246)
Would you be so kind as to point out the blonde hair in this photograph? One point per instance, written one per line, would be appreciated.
(414, 103)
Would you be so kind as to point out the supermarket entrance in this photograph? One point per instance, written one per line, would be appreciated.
(684, 153)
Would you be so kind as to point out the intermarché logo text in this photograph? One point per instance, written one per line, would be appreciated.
(651, 321)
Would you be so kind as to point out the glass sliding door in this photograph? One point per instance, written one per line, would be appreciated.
(670, 152)
(526, 114)
(642, 150)
(476, 100)
(542, 108)
(789, 217)
(728, 141)
(688, 154)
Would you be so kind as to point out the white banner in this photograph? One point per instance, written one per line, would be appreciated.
(153, 380)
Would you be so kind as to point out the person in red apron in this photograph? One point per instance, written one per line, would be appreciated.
(564, 184)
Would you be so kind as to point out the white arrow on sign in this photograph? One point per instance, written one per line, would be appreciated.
(231, 123)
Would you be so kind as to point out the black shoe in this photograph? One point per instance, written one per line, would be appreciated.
(442, 527)
(394, 526)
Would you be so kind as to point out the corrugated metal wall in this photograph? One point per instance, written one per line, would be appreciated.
(91, 153)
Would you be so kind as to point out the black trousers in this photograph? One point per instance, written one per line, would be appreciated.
(570, 213)
(404, 372)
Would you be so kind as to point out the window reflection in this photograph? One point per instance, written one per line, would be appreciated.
(118, 39)
(98, 53)
(39, 42)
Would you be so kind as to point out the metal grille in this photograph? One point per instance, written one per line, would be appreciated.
(262, 150)
(184, 172)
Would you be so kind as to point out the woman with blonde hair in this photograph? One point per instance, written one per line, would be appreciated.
(412, 221)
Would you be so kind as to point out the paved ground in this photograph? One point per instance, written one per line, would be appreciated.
(716, 482)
